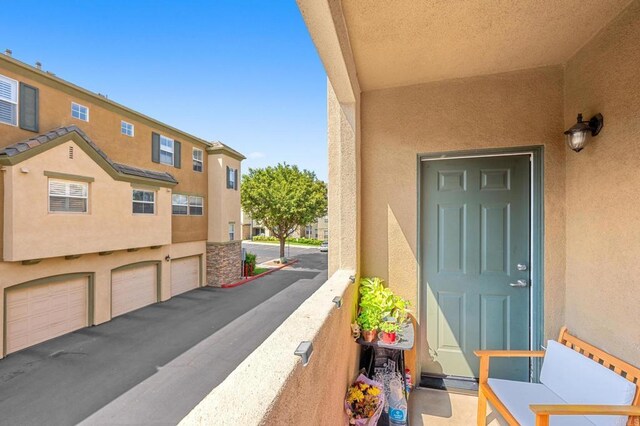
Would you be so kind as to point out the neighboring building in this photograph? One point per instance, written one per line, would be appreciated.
(318, 230)
(103, 210)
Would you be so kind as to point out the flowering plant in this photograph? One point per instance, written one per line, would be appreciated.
(364, 401)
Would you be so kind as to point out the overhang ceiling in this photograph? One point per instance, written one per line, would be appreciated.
(404, 42)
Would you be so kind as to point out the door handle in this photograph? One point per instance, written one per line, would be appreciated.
(520, 283)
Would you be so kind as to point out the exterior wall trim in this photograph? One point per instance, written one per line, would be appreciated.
(537, 238)
(71, 89)
(46, 280)
(157, 263)
(79, 140)
(67, 176)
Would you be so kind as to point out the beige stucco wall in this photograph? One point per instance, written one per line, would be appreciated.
(103, 128)
(14, 273)
(521, 108)
(223, 203)
(603, 188)
(31, 232)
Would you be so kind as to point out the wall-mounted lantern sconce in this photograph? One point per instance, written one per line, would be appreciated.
(167, 258)
(576, 136)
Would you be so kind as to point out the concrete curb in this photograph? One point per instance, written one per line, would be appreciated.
(255, 277)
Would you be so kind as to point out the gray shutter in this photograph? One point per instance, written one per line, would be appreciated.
(228, 180)
(29, 107)
(155, 147)
(177, 154)
(235, 181)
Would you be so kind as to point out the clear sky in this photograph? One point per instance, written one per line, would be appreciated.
(242, 72)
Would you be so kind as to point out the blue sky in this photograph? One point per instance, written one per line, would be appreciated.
(242, 72)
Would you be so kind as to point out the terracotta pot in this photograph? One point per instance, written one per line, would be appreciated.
(388, 337)
(369, 335)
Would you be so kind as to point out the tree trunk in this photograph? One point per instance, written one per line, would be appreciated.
(282, 239)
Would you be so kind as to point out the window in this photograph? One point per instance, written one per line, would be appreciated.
(8, 101)
(80, 112)
(326, 235)
(309, 231)
(195, 205)
(143, 202)
(326, 219)
(68, 197)
(197, 160)
(126, 128)
(232, 231)
(232, 178)
(179, 204)
(166, 150)
(182, 205)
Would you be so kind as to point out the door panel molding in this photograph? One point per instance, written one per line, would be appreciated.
(536, 235)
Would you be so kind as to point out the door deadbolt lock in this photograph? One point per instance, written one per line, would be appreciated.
(521, 267)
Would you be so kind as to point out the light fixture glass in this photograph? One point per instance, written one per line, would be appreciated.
(576, 137)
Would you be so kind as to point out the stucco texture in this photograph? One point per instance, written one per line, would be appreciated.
(31, 232)
(522, 108)
(602, 181)
(103, 128)
(223, 203)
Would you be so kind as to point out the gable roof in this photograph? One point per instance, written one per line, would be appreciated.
(18, 152)
(220, 148)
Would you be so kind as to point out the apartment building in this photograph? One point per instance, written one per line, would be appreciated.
(103, 210)
(318, 229)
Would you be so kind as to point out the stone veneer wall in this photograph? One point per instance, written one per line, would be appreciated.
(224, 263)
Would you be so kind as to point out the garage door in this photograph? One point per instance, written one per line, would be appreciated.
(133, 288)
(185, 274)
(43, 311)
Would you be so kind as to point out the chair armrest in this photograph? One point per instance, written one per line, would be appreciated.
(508, 354)
(486, 355)
(543, 412)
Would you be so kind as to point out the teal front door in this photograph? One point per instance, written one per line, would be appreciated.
(475, 239)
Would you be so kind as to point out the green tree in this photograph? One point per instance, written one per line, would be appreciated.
(282, 198)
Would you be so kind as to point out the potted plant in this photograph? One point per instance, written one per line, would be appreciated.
(368, 320)
(389, 328)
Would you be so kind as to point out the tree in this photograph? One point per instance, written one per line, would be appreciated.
(282, 198)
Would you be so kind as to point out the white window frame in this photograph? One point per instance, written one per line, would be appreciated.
(67, 194)
(186, 205)
(196, 160)
(232, 231)
(232, 178)
(124, 128)
(134, 201)
(166, 150)
(79, 111)
(191, 197)
(12, 101)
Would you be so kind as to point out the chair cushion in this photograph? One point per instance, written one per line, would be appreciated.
(517, 396)
(580, 380)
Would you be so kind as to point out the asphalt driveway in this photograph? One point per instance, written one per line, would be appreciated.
(152, 366)
(266, 251)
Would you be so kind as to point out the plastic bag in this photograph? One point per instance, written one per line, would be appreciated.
(373, 420)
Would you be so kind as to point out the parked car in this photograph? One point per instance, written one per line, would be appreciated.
(324, 247)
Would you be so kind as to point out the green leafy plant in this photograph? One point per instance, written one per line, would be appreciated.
(250, 259)
(368, 319)
(378, 300)
(389, 327)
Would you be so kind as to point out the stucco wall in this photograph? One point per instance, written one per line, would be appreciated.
(31, 232)
(14, 273)
(103, 128)
(223, 202)
(521, 108)
(603, 187)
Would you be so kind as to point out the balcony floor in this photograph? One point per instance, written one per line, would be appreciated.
(434, 407)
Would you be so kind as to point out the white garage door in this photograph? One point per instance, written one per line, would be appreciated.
(133, 288)
(43, 311)
(185, 274)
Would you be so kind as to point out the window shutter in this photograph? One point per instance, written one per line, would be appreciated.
(28, 107)
(155, 147)
(228, 176)
(235, 180)
(177, 157)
